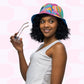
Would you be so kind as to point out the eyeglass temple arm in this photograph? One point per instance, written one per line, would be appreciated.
(22, 28)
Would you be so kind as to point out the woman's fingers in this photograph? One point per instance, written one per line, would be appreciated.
(15, 40)
(15, 34)
(20, 39)
(11, 38)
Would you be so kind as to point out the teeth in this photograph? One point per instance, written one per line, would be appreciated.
(46, 30)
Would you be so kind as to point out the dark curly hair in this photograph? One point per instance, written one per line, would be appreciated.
(62, 31)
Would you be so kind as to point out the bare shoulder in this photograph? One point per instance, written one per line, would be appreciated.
(59, 45)
(59, 49)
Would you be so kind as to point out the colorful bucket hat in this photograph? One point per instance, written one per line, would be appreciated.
(51, 9)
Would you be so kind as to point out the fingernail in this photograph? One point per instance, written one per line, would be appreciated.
(21, 39)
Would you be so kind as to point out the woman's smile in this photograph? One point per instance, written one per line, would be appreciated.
(46, 30)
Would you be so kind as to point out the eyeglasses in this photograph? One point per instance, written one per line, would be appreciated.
(25, 25)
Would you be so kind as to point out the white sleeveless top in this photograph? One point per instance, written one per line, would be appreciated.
(39, 71)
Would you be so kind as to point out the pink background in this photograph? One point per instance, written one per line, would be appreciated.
(13, 13)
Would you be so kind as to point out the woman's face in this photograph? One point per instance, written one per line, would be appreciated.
(48, 26)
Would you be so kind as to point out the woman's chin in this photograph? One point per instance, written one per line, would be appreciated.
(47, 36)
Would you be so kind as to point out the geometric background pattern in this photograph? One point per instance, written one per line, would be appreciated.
(13, 13)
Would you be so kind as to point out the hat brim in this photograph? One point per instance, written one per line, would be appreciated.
(34, 16)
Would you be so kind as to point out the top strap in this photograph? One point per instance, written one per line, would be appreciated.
(50, 45)
(47, 47)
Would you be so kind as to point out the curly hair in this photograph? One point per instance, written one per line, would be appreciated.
(62, 31)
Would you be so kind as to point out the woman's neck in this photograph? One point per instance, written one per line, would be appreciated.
(49, 40)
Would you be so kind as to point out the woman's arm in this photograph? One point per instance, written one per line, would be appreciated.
(59, 58)
(23, 64)
(18, 45)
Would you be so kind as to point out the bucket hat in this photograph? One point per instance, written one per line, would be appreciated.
(51, 9)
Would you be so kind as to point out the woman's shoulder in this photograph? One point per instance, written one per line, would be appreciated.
(58, 47)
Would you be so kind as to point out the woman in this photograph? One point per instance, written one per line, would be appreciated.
(47, 64)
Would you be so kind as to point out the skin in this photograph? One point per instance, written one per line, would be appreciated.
(18, 45)
(57, 52)
(50, 23)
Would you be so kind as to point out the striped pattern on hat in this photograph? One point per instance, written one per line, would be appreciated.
(52, 9)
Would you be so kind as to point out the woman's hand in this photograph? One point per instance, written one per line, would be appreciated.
(17, 43)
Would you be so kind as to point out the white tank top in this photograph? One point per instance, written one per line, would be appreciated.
(39, 71)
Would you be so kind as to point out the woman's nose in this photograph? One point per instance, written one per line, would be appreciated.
(46, 24)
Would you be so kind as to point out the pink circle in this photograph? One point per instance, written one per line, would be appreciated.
(6, 13)
(72, 81)
(5, 42)
(73, 56)
(6, 70)
(14, 26)
(67, 12)
(74, 26)
(15, 81)
(32, 44)
(73, 2)
(15, 2)
(13, 56)
(40, 2)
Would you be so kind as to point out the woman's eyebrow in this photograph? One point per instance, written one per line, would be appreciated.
(52, 18)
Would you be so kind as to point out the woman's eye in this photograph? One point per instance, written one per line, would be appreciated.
(42, 21)
(51, 21)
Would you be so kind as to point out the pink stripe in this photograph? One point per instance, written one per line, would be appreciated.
(48, 13)
(56, 13)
